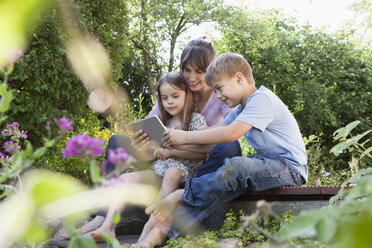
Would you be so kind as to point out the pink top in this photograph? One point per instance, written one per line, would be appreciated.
(214, 111)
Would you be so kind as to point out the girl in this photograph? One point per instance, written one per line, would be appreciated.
(175, 101)
(176, 112)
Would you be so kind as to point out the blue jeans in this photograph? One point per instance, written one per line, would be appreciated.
(217, 157)
(205, 194)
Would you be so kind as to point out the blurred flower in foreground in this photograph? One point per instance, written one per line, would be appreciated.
(64, 124)
(12, 130)
(83, 146)
(11, 147)
(114, 182)
(4, 158)
(118, 155)
(11, 57)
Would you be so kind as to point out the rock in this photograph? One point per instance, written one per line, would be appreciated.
(229, 243)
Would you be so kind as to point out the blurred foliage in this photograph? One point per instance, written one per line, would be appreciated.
(324, 79)
(45, 85)
(73, 166)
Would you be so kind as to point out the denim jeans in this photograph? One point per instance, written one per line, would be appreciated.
(205, 194)
(217, 157)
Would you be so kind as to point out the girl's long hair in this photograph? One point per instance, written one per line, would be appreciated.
(176, 79)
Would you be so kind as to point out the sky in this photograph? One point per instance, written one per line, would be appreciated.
(334, 13)
(331, 13)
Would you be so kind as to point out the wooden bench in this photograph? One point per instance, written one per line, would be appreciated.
(289, 193)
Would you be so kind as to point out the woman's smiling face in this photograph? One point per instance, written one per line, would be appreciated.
(194, 77)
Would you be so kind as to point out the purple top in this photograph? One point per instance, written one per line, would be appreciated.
(214, 110)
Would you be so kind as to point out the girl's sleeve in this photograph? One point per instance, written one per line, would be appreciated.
(197, 122)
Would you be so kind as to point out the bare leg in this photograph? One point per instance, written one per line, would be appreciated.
(106, 225)
(165, 209)
(170, 183)
(171, 179)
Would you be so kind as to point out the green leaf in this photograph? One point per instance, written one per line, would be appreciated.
(344, 131)
(302, 226)
(6, 97)
(94, 172)
(326, 229)
(45, 186)
(116, 219)
(36, 233)
(85, 241)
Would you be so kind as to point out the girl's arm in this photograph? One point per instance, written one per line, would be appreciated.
(196, 148)
(166, 153)
(214, 135)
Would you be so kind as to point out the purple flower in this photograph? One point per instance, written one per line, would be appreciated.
(5, 157)
(13, 131)
(64, 124)
(11, 147)
(325, 174)
(83, 146)
(118, 155)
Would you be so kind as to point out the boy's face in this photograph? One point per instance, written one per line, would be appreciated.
(229, 91)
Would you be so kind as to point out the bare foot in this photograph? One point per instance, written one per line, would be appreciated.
(106, 229)
(92, 225)
(163, 210)
(155, 238)
(147, 228)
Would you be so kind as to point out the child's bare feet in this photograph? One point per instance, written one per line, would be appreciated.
(89, 226)
(108, 229)
(155, 238)
(163, 210)
(147, 228)
(92, 225)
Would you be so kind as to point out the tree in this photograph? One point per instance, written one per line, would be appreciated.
(322, 78)
(156, 23)
(45, 86)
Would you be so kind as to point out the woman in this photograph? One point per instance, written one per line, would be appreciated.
(195, 58)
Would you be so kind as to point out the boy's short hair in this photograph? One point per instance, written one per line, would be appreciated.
(225, 66)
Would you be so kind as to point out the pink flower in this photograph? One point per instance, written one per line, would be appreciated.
(11, 147)
(13, 131)
(83, 146)
(118, 155)
(64, 124)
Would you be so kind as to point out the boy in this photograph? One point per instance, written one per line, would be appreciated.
(266, 123)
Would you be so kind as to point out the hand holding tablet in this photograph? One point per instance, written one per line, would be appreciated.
(152, 126)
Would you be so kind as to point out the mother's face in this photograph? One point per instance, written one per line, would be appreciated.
(194, 77)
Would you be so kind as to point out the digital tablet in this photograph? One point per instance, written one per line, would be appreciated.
(152, 126)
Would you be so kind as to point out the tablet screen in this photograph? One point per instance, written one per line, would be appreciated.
(152, 126)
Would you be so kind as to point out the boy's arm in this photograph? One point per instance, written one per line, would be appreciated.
(214, 135)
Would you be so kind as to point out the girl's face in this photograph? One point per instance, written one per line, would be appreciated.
(194, 77)
(173, 99)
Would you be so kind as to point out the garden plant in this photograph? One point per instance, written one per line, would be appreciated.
(56, 56)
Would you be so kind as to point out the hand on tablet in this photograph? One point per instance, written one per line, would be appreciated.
(162, 153)
(173, 137)
(140, 141)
